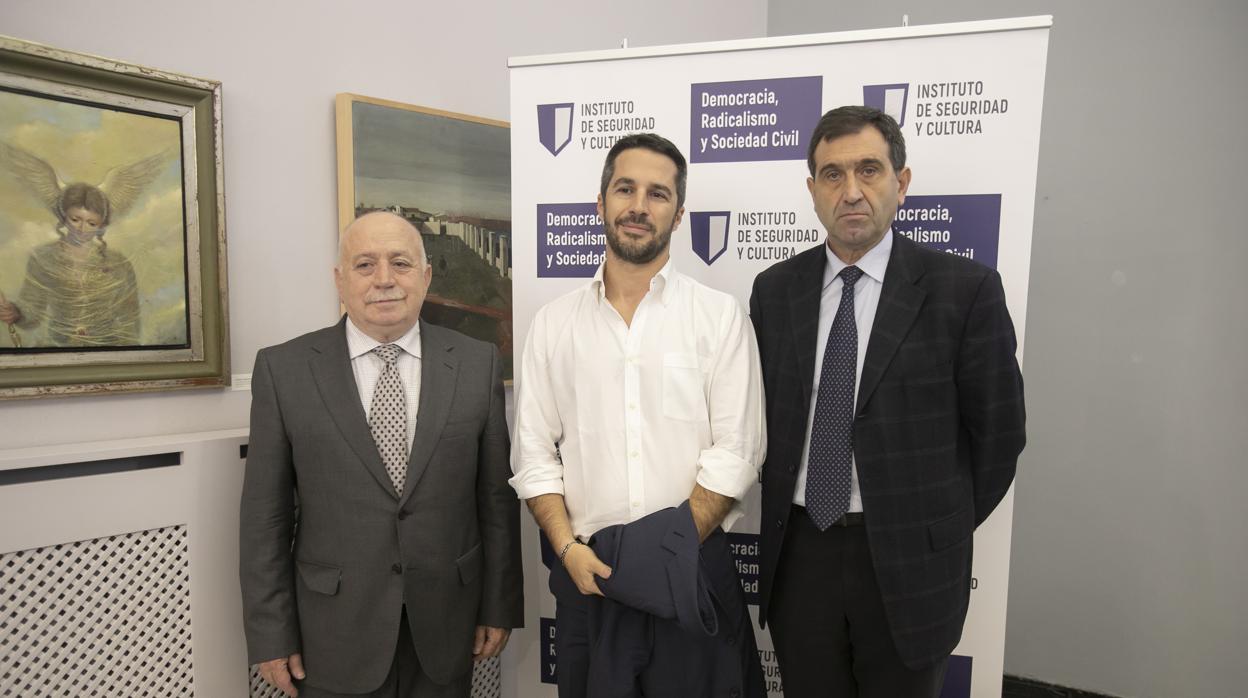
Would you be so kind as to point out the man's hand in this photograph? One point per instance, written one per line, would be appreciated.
(278, 672)
(582, 566)
(489, 642)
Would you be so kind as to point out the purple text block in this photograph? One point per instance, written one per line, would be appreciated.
(744, 547)
(968, 225)
(753, 120)
(570, 240)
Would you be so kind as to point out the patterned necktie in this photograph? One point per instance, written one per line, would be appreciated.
(387, 418)
(830, 461)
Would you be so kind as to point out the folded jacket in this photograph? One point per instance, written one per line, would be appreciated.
(656, 567)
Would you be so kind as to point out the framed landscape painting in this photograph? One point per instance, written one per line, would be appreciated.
(112, 239)
(449, 175)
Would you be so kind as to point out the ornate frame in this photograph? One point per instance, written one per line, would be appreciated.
(203, 361)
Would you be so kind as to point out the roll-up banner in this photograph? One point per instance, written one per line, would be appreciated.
(968, 98)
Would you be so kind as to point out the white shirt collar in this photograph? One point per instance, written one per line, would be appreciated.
(873, 263)
(661, 283)
(359, 344)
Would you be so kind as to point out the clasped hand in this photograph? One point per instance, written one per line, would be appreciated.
(583, 566)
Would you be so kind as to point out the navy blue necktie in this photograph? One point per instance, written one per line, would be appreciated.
(830, 461)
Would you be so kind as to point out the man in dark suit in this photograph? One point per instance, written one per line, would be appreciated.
(380, 548)
(895, 420)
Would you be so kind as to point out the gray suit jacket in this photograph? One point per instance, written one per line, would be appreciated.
(330, 555)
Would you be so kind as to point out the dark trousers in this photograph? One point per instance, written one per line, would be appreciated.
(663, 659)
(405, 680)
(827, 620)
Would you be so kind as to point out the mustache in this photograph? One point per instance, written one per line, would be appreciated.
(635, 219)
(379, 296)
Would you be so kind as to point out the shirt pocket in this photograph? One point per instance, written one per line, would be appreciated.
(683, 397)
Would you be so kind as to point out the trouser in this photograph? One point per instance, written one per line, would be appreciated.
(405, 679)
(827, 620)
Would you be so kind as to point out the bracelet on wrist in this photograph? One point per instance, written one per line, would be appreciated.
(568, 546)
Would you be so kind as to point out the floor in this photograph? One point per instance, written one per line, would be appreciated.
(1018, 687)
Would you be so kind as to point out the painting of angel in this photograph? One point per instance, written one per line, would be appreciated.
(92, 248)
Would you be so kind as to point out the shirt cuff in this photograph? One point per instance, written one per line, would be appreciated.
(529, 488)
(726, 473)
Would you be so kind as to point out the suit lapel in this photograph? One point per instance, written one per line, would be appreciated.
(439, 368)
(805, 290)
(900, 300)
(335, 381)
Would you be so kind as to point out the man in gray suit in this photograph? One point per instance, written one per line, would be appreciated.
(380, 548)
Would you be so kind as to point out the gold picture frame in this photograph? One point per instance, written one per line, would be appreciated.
(89, 146)
(449, 175)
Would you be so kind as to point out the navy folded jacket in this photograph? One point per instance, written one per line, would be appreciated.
(655, 567)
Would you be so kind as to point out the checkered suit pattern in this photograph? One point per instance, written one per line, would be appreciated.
(938, 428)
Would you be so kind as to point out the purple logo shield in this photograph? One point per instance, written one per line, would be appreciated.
(554, 125)
(710, 234)
(890, 99)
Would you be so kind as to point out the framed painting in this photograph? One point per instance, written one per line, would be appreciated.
(112, 227)
(449, 175)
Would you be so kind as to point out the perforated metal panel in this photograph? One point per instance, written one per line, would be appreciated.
(103, 617)
(486, 681)
(259, 687)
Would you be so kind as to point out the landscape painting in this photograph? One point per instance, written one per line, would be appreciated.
(449, 175)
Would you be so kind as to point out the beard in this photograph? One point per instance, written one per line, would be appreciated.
(637, 252)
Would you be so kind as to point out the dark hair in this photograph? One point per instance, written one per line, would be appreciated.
(653, 142)
(846, 121)
(82, 195)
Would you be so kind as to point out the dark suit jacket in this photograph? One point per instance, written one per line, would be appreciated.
(937, 432)
(448, 547)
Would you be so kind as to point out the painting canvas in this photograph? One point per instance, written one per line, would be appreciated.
(112, 238)
(92, 242)
(450, 176)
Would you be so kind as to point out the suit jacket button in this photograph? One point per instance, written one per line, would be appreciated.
(396, 568)
(402, 515)
(793, 468)
(779, 523)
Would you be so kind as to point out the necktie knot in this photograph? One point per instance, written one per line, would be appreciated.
(850, 275)
(388, 353)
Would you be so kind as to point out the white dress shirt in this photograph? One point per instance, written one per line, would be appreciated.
(866, 301)
(368, 366)
(623, 419)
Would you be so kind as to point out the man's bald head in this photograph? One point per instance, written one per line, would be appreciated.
(382, 274)
(381, 219)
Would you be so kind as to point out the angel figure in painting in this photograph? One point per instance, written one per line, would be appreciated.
(82, 292)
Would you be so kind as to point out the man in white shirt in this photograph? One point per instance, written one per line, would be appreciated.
(400, 564)
(635, 393)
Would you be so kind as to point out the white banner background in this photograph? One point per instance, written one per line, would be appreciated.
(999, 65)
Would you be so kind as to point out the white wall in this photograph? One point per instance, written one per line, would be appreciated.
(281, 64)
(1129, 555)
